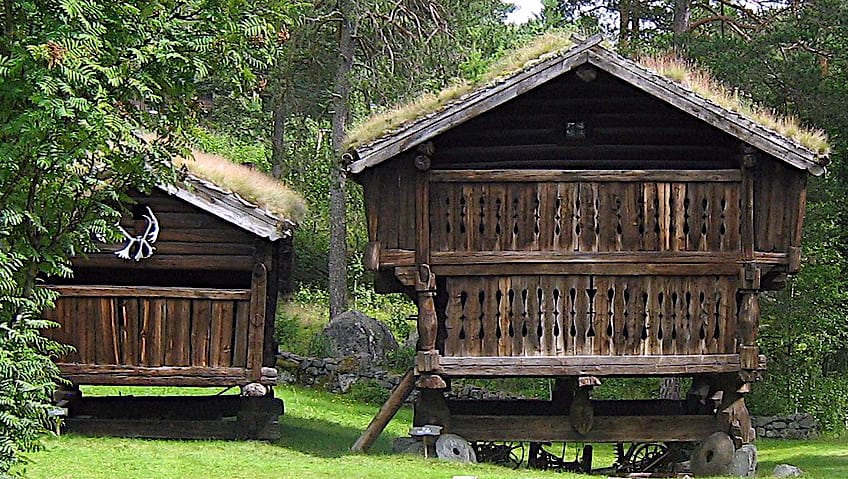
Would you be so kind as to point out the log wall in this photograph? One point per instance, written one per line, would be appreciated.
(153, 326)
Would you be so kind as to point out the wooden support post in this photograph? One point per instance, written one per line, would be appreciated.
(749, 321)
(431, 408)
(748, 162)
(385, 414)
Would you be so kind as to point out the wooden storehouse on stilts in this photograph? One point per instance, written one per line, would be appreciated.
(187, 299)
(584, 217)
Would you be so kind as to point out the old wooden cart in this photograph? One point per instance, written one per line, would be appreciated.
(585, 218)
(188, 299)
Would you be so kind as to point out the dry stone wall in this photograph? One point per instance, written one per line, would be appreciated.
(793, 426)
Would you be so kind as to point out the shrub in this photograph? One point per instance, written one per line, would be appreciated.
(368, 391)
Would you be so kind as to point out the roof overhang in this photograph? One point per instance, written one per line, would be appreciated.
(230, 207)
(590, 52)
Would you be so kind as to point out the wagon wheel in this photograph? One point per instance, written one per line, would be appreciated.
(642, 457)
(510, 454)
(540, 458)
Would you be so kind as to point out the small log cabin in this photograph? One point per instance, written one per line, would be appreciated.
(189, 298)
(584, 217)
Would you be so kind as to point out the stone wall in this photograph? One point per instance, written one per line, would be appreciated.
(793, 426)
(338, 375)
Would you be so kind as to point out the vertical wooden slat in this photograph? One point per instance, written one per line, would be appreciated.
(438, 217)
(201, 330)
(547, 216)
(607, 218)
(220, 351)
(567, 198)
(521, 315)
(156, 332)
(453, 311)
(86, 323)
(406, 207)
(664, 216)
(679, 213)
(589, 217)
(178, 332)
(533, 340)
(621, 328)
(242, 327)
(490, 317)
(650, 237)
(637, 317)
(604, 327)
(800, 208)
(560, 316)
(474, 313)
(256, 334)
(630, 237)
(546, 317)
(130, 331)
(581, 318)
(732, 216)
(505, 317)
(747, 225)
(388, 222)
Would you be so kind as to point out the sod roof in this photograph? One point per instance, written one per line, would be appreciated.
(400, 128)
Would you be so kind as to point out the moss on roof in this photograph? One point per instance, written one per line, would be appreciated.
(383, 123)
(550, 44)
(252, 185)
(701, 82)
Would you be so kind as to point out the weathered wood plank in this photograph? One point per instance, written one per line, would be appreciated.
(152, 376)
(205, 262)
(589, 365)
(562, 176)
(129, 338)
(604, 429)
(242, 329)
(220, 351)
(151, 292)
(201, 332)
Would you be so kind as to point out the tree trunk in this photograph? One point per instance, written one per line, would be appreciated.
(623, 23)
(338, 228)
(278, 138)
(682, 10)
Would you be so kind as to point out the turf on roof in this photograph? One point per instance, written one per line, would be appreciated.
(254, 186)
(385, 123)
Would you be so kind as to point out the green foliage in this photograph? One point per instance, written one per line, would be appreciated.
(233, 148)
(401, 359)
(368, 391)
(80, 80)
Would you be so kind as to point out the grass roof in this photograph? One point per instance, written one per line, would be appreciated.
(684, 73)
(381, 124)
(701, 82)
(252, 185)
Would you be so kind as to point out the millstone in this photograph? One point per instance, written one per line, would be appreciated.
(454, 448)
(713, 456)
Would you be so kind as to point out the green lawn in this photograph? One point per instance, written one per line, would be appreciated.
(317, 430)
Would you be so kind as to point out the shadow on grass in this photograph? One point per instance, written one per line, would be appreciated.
(322, 438)
(825, 465)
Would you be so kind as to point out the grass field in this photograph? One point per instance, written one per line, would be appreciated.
(317, 430)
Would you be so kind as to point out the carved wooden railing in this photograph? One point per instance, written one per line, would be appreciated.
(589, 315)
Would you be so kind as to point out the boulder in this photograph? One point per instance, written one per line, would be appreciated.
(353, 334)
(744, 462)
(408, 445)
(787, 470)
